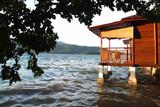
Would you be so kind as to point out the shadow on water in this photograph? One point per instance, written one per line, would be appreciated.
(120, 94)
(70, 81)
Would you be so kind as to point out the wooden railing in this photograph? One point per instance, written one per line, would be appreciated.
(118, 55)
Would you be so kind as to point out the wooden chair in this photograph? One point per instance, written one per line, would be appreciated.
(116, 56)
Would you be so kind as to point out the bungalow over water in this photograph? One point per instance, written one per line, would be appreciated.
(140, 44)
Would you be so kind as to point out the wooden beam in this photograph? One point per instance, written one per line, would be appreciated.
(130, 44)
(127, 52)
(133, 50)
(109, 44)
(128, 64)
(101, 48)
(155, 42)
(109, 49)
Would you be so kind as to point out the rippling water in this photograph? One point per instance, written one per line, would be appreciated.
(70, 80)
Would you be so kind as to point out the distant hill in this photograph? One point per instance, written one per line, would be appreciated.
(63, 48)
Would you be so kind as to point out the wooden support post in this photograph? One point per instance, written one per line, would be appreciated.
(109, 50)
(132, 76)
(109, 44)
(133, 51)
(155, 43)
(127, 52)
(101, 49)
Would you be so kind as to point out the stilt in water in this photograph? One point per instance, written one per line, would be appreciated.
(103, 74)
(132, 80)
(100, 79)
(154, 71)
(109, 72)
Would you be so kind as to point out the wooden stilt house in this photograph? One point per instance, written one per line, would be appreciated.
(140, 42)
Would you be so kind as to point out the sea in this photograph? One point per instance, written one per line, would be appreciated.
(70, 81)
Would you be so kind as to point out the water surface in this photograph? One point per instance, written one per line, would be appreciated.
(70, 81)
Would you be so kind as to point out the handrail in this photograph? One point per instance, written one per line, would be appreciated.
(117, 48)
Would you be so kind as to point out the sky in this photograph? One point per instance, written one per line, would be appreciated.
(76, 33)
(79, 34)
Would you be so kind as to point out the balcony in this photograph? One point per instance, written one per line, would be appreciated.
(116, 56)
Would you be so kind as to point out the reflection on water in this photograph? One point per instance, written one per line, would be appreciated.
(70, 80)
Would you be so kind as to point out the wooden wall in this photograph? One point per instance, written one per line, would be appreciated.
(158, 43)
(105, 55)
(126, 32)
(144, 44)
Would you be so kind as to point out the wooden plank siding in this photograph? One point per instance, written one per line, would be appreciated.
(144, 44)
(118, 33)
(105, 55)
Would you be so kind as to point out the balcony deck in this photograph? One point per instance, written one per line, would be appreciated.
(116, 56)
(116, 64)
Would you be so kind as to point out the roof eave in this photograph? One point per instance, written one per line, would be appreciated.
(95, 30)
